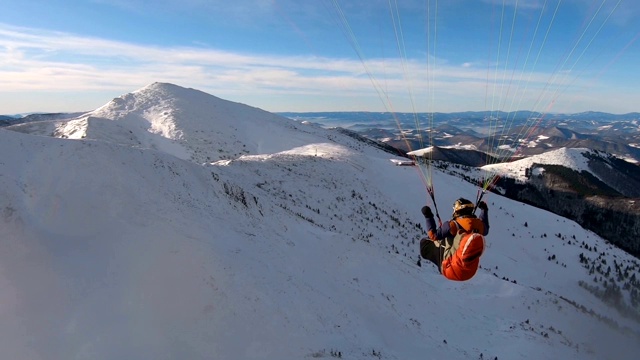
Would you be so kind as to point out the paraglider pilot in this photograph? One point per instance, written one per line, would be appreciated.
(449, 247)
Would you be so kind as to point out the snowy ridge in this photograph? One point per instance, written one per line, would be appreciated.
(421, 152)
(570, 158)
(427, 150)
(302, 251)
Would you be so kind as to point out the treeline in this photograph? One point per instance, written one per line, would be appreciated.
(572, 195)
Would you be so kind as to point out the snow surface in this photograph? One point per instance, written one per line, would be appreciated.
(182, 226)
(570, 158)
(427, 150)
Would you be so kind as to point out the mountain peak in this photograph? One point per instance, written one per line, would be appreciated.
(191, 124)
(154, 95)
(159, 86)
(186, 123)
(160, 89)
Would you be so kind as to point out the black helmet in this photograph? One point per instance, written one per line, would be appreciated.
(462, 207)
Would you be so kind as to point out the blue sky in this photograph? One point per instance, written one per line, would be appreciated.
(326, 55)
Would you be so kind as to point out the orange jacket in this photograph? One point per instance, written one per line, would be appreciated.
(450, 228)
(461, 258)
(469, 224)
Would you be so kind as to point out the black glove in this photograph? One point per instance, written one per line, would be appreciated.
(482, 206)
(426, 211)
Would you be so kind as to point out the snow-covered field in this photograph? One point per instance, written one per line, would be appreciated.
(170, 224)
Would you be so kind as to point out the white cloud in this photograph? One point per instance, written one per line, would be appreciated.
(34, 59)
(39, 60)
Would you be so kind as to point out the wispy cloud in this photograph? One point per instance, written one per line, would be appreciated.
(237, 12)
(39, 60)
(33, 53)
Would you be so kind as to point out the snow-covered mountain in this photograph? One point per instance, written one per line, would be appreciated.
(571, 158)
(186, 123)
(170, 224)
(615, 173)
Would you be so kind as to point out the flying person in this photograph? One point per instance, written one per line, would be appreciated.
(456, 246)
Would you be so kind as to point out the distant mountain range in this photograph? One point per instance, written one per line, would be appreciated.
(503, 135)
(7, 120)
(497, 137)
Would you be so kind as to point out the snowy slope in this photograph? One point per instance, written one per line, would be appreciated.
(298, 245)
(570, 158)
